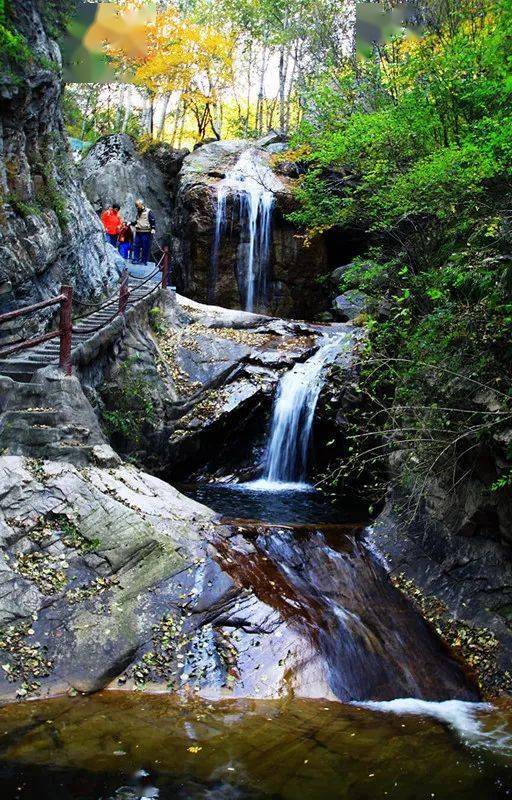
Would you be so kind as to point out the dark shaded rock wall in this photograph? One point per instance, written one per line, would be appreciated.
(456, 546)
(294, 267)
(49, 232)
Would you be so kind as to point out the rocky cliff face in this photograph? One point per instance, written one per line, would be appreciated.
(49, 232)
(451, 555)
(191, 386)
(293, 268)
(114, 171)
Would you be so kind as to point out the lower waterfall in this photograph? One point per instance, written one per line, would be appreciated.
(286, 460)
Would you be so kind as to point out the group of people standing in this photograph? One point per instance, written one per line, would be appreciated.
(132, 239)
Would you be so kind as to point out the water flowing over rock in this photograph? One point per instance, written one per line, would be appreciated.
(293, 415)
(113, 578)
(232, 242)
(49, 233)
(251, 185)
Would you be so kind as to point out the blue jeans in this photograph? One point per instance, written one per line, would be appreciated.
(142, 248)
(124, 249)
(112, 238)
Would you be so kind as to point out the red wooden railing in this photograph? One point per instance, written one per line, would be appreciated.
(65, 329)
(65, 298)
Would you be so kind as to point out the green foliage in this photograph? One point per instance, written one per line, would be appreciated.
(56, 15)
(134, 405)
(21, 207)
(156, 320)
(415, 149)
(13, 45)
(85, 119)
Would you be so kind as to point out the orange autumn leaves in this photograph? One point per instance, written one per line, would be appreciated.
(120, 26)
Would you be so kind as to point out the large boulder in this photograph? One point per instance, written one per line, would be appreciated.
(115, 171)
(113, 578)
(293, 268)
(451, 554)
(202, 378)
(351, 304)
(49, 233)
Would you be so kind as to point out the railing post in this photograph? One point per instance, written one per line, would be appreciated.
(123, 292)
(165, 268)
(66, 328)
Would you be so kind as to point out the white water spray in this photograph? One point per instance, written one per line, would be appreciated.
(477, 724)
(252, 183)
(220, 228)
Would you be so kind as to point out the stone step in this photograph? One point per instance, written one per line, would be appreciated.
(24, 434)
(78, 454)
(75, 432)
(22, 369)
(33, 417)
(20, 373)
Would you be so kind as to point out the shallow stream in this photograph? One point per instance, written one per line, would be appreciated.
(130, 746)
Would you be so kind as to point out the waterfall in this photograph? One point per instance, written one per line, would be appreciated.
(220, 227)
(252, 183)
(292, 419)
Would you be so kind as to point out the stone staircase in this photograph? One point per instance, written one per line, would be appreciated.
(51, 419)
(23, 366)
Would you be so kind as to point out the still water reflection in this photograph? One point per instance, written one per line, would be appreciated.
(127, 746)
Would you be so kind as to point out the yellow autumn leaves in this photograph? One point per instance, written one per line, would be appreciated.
(180, 55)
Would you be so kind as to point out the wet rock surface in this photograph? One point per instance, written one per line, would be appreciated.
(459, 576)
(111, 577)
(293, 266)
(211, 374)
(348, 306)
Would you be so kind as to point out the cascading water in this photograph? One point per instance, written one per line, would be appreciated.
(252, 183)
(292, 421)
(220, 227)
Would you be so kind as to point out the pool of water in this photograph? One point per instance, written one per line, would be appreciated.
(127, 746)
(289, 504)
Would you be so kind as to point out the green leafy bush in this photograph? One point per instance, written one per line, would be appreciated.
(414, 148)
(131, 406)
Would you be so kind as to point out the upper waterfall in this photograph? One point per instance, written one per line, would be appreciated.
(252, 184)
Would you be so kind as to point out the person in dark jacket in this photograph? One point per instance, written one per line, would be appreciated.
(145, 228)
(125, 241)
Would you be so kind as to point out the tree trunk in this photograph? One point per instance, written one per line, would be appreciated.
(249, 88)
(127, 109)
(182, 126)
(291, 87)
(282, 89)
(161, 125)
(177, 114)
(152, 115)
(261, 91)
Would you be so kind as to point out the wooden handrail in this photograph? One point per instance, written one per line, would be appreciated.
(165, 267)
(45, 337)
(20, 312)
(65, 329)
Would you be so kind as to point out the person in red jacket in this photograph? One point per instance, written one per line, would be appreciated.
(112, 222)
